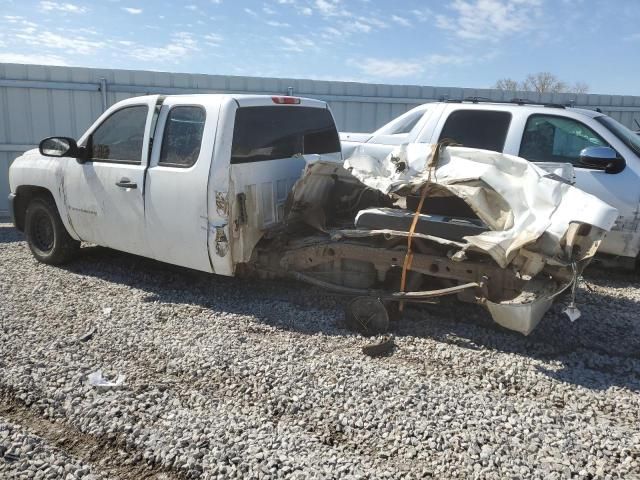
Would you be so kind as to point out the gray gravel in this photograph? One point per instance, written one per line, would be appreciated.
(247, 379)
(30, 457)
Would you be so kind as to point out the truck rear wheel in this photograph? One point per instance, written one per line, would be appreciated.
(47, 236)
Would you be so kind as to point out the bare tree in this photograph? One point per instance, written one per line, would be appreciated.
(580, 87)
(507, 84)
(544, 82)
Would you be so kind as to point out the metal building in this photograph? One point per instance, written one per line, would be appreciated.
(37, 101)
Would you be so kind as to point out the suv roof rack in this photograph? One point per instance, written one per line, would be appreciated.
(513, 101)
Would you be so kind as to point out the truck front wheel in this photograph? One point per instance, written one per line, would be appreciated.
(46, 235)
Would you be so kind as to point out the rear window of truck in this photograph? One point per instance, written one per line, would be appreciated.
(269, 133)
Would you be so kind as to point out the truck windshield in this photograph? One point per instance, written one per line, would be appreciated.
(273, 132)
(630, 139)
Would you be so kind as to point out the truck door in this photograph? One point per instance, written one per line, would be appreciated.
(104, 195)
(176, 184)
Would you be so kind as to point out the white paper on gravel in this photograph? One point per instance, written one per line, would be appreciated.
(97, 380)
(489, 181)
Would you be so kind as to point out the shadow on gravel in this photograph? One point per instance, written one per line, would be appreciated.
(9, 234)
(598, 351)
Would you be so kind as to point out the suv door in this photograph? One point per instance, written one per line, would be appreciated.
(557, 138)
(176, 184)
(105, 194)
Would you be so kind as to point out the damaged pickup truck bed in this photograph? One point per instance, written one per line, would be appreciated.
(255, 185)
(433, 220)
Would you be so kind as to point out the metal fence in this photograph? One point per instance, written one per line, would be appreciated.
(37, 101)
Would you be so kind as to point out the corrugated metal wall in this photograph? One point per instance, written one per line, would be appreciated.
(37, 101)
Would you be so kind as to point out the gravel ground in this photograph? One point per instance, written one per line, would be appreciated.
(248, 379)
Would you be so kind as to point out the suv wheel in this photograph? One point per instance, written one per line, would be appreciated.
(46, 235)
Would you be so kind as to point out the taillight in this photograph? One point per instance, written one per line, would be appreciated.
(286, 100)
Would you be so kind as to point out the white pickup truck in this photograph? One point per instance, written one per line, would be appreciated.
(255, 185)
(605, 154)
(154, 176)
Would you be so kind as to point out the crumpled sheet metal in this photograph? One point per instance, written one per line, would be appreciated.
(514, 197)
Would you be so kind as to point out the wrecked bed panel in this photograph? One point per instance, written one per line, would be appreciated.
(518, 201)
(434, 220)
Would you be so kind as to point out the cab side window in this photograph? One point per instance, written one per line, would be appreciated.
(120, 137)
(182, 136)
(549, 138)
(477, 128)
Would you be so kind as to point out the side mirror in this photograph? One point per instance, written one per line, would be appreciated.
(602, 158)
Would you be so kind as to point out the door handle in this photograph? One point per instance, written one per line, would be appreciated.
(126, 183)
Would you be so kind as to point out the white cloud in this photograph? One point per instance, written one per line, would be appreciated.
(132, 11)
(489, 19)
(182, 44)
(422, 15)
(274, 23)
(306, 11)
(213, 39)
(331, 33)
(253, 13)
(48, 6)
(398, 68)
(13, 18)
(216, 2)
(331, 8)
(388, 68)
(268, 10)
(374, 22)
(37, 59)
(297, 44)
(68, 43)
(191, 7)
(401, 20)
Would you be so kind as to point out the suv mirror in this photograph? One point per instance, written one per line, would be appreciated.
(602, 158)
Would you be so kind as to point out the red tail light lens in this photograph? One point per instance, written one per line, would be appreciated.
(286, 100)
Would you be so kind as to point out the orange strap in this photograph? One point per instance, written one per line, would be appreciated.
(408, 258)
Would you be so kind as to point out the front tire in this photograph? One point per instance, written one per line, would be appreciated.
(47, 236)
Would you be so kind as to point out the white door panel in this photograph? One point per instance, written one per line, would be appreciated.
(622, 191)
(102, 208)
(102, 212)
(176, 196)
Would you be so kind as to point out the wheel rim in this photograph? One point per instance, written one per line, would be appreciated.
(42, 232)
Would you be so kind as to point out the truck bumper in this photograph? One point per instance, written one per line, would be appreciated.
(12, 198)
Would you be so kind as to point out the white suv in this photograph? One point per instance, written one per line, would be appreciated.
(605, 154)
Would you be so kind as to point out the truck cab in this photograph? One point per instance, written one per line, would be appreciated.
(549, 135)
(162, 177)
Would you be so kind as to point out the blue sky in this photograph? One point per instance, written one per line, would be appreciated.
(462, 43)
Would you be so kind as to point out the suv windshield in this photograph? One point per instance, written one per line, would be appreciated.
(630, 139)
(269, 133)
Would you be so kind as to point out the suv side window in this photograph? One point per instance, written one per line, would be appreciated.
(477, 128)
(119, 138)
(549, 138)
(182, 136)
